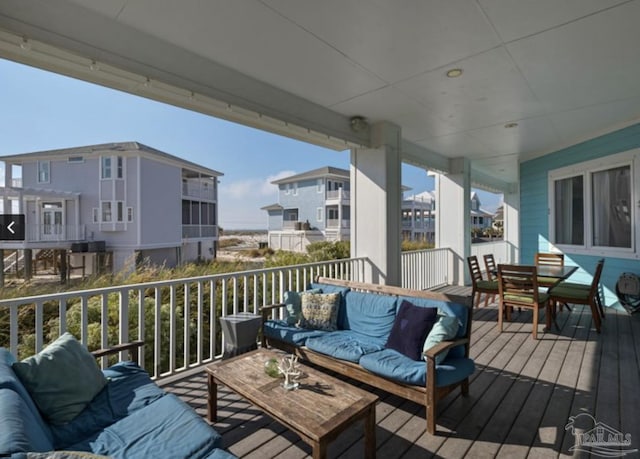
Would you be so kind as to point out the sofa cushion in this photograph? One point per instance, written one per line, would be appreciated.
(129, 389)
(410, 329)
(397, 367)
(167, 427)
(62, 378)
(281, 330)
(39, 432)
(293, 305)
(446, 328)
(319, 311)
(20, 429)
(65, 455)
(345, 344)
(369, 314)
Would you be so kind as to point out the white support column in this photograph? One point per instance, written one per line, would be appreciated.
(453, 217)
(512, 224)
(376, 202)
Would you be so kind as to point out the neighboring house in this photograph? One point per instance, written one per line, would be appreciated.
(126, 199)
(480, 218)
(312, 206)
(418, 217)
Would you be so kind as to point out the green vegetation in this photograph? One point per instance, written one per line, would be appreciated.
(408, 246)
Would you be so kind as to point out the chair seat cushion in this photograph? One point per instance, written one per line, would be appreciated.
(397, 367)
(542, 297)
(281, 330)
(542, 280)
(345, 345)
(573, 285)
(488, 285)
(570, 293)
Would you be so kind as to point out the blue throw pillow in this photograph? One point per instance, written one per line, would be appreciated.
(445, 328)
(62, 379)
(411, 327)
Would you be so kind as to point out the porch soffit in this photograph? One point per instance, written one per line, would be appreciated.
(561, 72)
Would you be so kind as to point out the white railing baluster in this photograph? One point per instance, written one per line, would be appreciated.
(172, 329)
(200, 338)
(141, 324)
(62, 315)
(186, 332)
(212, 319)
(123, 317)
(104, 325)
(157, 333)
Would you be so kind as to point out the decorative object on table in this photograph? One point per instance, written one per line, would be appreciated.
(290, 369)
(271, 368)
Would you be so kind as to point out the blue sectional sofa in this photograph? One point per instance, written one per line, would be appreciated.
(131, 417)
(361, 345)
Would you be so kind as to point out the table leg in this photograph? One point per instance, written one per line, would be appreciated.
(370, 433)
(319, 450)
(212, 399)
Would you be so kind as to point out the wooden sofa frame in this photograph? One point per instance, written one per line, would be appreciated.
(428, 395)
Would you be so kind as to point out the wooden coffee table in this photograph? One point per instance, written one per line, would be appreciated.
(318, 410)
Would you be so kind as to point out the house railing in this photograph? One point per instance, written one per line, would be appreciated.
(501, 250)
(338, 194)
(426, 269)
(54, 233)
(199, 190)
(195, 231)
(177, 319)
(334, 223)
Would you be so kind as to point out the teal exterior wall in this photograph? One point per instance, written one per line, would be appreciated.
(534, 204)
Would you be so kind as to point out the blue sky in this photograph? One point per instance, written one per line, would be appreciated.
(44, 111)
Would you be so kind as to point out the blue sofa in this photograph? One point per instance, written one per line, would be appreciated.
(131, 417)
(358, 348)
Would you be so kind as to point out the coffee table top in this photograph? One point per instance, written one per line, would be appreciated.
(320, 405)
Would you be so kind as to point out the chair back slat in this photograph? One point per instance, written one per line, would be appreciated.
(490, 266)
(474, 269)
(549, 259)
(518, 285)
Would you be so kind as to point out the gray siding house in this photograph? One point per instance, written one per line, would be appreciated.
(127, 199)
(312, 206)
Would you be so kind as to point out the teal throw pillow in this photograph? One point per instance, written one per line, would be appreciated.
(294, 305)
(62, 379)
(320, 311)
(445, 328)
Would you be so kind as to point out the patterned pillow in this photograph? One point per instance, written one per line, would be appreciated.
(319, 311)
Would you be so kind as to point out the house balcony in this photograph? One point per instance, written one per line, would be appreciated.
(521, 397)
(338, 196)
(55, 233)
(199, 231)
(198, 191)
(334, 224)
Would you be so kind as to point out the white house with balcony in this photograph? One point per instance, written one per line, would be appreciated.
(126, 199)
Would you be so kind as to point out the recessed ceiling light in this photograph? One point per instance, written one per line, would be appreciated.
(511, 125)
(454, 73)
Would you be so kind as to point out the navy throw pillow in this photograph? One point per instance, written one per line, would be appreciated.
(411, 327)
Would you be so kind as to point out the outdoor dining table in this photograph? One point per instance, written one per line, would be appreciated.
(557, 272)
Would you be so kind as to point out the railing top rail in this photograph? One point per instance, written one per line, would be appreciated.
(165, 283)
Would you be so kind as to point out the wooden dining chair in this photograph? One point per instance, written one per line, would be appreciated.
(480, 286)
(588, 295)
(518, 288)
(549, 259)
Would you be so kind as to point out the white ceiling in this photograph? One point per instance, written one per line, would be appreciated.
(563, 70)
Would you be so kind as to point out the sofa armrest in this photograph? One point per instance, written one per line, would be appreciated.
(266, 310)
(443, 346)
(118, 348)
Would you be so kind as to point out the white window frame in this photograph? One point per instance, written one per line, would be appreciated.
(319, 212)
(95, 212)
(287, 188)
(119, 211)
(319, 185)
(106, 172)
(75, 159)
(103, 206)
(129, 214)
(295, 188)
(585, 169)
(119, 167)
(44, 171)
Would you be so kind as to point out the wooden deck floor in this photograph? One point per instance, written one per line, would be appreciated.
(521, 397)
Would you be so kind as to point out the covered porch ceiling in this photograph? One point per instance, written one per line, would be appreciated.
(536, 75)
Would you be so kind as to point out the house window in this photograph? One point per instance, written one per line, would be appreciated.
(43, 171)
(319, 214)
(120, 167)
(129, 214)
(592, 207)
(287, 188)
(75, 159)
(295, 189)
(94, 215)
(105, 207)
(120, 211)
(319, 185)
(105, 167)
